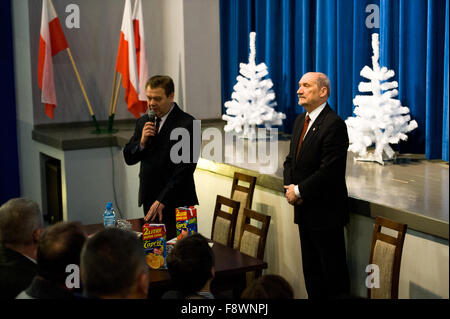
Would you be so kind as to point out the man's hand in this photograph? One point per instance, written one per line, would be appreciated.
(291, 197)
(155, 210)
(148, 130)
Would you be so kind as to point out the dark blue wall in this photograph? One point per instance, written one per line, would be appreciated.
(9, 160)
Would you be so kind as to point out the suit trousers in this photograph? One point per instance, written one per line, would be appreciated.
(324, 263)
(168, 218)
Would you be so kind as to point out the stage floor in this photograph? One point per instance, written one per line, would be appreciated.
(416, 185)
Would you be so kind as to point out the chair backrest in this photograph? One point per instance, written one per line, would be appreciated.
(386, 253)
(224, 222)
(244, 195)
(253, 239)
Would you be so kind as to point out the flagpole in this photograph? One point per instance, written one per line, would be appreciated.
(117, 94)
(97, 128)
(111, 114)
(112, 111)
(113, 93)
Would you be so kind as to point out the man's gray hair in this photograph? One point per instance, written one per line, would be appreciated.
(324, 81)
(19, 218)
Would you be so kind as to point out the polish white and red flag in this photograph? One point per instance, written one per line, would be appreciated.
(142, 65)
(51, 42)
(127, 63)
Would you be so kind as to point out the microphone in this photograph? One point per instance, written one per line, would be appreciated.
(152, 118)
(151, 115)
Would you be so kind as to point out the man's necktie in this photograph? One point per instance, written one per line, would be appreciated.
(157, 121)
(305, 127)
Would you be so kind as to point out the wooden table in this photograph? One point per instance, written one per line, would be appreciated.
(230, 266)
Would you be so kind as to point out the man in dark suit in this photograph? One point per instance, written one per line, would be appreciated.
(314, 179)
(20, 228)
(165, 181)
(59, 246)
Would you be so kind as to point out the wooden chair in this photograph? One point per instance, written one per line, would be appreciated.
(224, 223)
(386, 253)
(244, 195)
(253, 239)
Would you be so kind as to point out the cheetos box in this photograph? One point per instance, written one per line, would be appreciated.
(186, 221)
(154, 238)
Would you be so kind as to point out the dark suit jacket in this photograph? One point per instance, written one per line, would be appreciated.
(159, 177)
(41, 288)
(16, 272)
(319, 171)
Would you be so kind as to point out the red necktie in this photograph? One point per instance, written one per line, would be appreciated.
(305, 127)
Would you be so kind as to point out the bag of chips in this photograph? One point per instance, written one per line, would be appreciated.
(186, 221)
(154, 239)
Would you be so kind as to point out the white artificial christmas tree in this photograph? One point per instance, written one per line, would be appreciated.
(252, 100)
(380, 119)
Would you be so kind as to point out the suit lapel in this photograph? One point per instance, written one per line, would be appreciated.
(313, 131)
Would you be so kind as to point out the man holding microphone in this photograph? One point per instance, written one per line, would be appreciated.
(163, 184)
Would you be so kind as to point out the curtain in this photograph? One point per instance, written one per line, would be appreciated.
(332, 36)
(446, 71)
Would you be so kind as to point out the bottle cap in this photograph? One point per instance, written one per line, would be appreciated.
(108, 205)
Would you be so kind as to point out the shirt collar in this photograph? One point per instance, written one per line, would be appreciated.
(205, 294)
(34, 261)
(164, 118)
(314, 114)
(17, 252)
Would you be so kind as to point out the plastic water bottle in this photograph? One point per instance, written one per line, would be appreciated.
(109, 217)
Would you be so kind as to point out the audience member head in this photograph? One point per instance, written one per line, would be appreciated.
(191, 264)
(59, 246)
(113, 265)
(269, 287)
(20, 226)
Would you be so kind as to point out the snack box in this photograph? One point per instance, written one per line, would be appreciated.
(186, 221)
(154, 239)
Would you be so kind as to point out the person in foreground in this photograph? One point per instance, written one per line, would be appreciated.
(268, 287)
(191, 268)
(314, 179)
(59, 247)
(20, 228)
(113, 266)
(165, 181)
